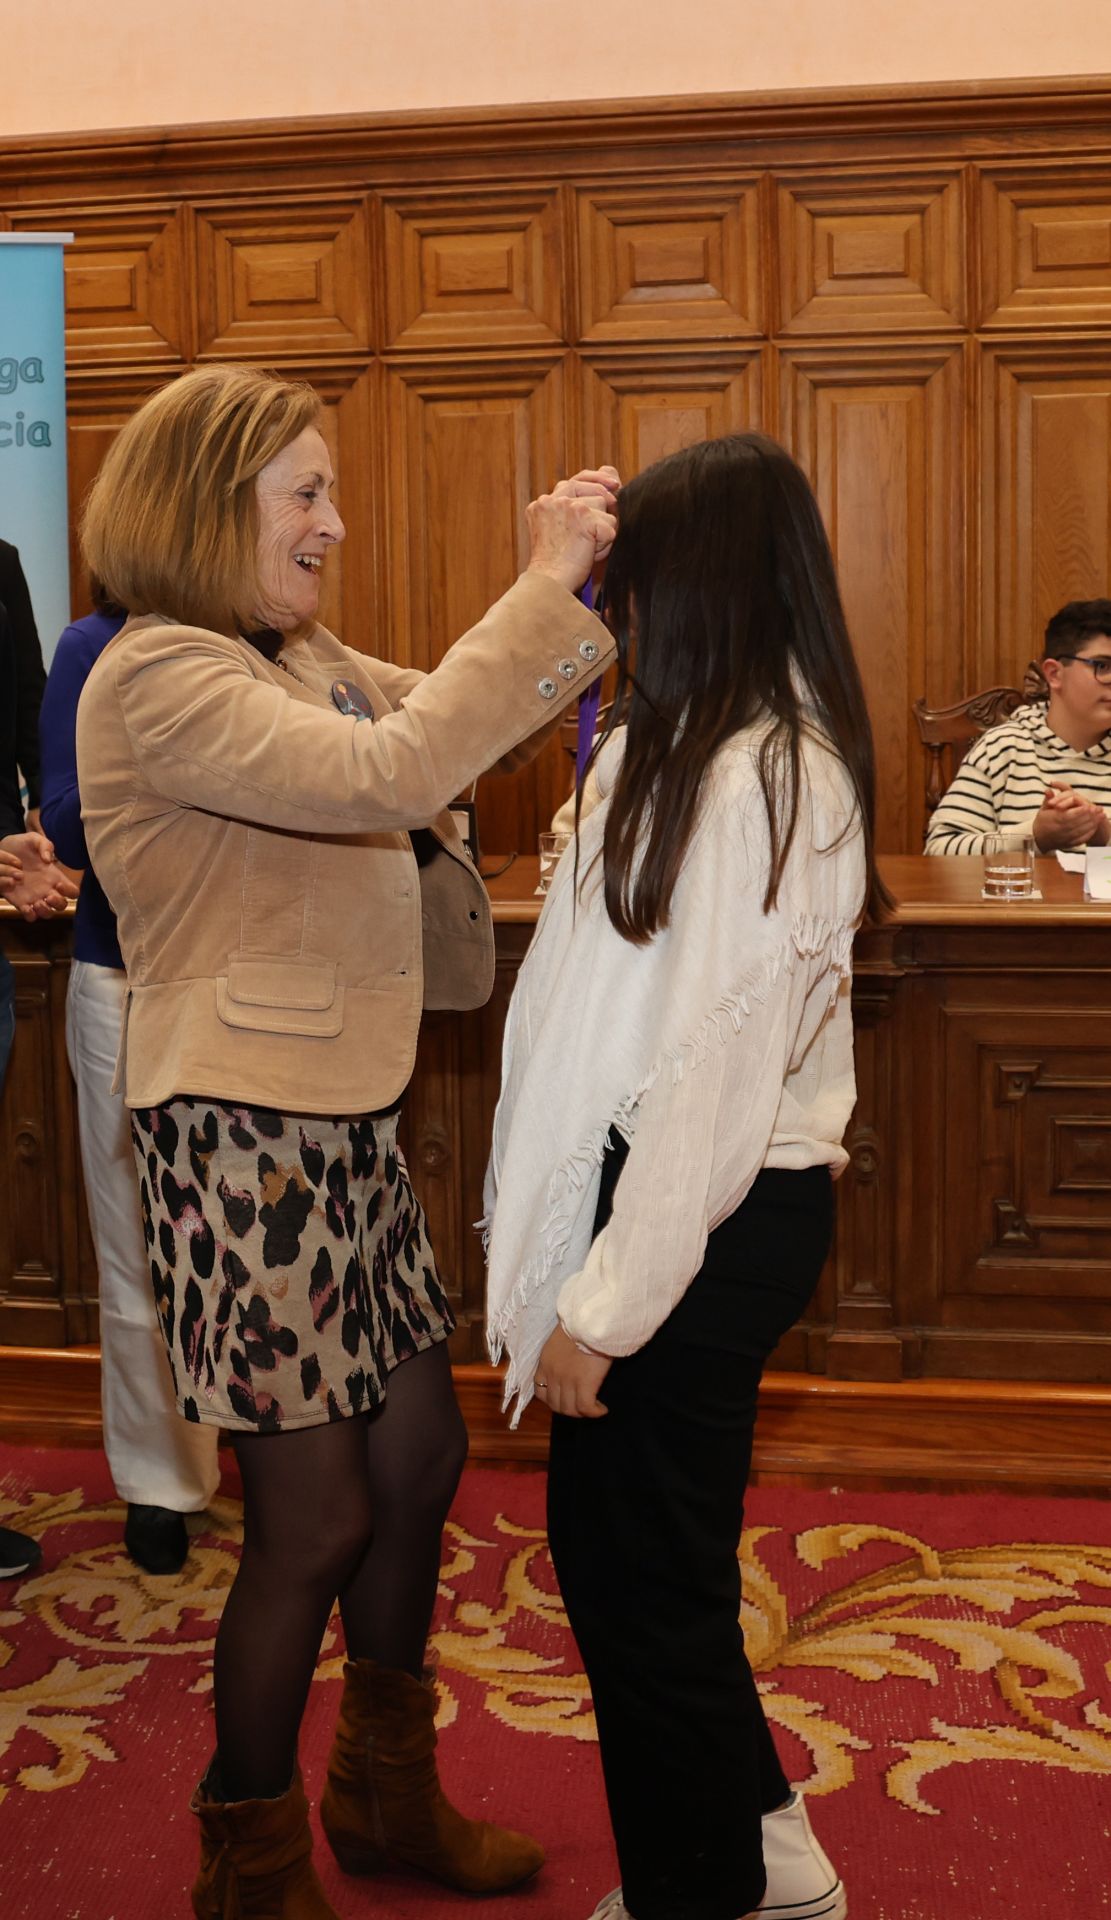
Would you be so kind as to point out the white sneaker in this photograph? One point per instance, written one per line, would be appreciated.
(802, 1882)
(611, 1908)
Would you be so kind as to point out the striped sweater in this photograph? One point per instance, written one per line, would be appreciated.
(1002, 780)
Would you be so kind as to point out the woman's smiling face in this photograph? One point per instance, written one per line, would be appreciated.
(297, 523)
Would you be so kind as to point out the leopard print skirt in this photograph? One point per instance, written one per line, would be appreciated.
(289, 1257)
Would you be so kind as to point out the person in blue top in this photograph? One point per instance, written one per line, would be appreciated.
(162, 1466)
(29, 880)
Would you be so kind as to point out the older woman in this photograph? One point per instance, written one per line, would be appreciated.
(250, 787)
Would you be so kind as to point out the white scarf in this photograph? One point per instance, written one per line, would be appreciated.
(594, 1020)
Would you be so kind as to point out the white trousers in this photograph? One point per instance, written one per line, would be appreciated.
(156, 1458)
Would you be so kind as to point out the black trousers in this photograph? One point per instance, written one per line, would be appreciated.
(645, 1508)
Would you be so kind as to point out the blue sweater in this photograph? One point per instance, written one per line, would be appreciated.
(94, 932)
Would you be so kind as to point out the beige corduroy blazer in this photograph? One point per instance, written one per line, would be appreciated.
(278, 935)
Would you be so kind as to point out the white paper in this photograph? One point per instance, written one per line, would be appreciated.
(1072, 862)
(1097, 873)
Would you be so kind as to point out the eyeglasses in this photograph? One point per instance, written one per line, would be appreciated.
(1100, 664)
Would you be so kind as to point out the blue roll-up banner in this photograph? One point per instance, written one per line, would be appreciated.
(34, 509)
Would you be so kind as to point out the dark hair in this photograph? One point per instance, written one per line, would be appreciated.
(723, 598)
(1074, 625)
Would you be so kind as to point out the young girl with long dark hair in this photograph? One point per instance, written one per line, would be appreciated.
(678, 1076)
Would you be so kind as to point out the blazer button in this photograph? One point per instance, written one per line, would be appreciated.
(568, 669)
(588, 649)
(547, 689)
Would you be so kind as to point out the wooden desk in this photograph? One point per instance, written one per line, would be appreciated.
(963, 1322)
(975, 1234)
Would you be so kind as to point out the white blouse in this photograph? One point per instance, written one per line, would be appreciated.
(722, 1046)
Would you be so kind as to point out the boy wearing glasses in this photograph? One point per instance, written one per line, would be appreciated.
(1046, 770)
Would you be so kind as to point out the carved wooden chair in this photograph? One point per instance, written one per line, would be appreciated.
(948, 732)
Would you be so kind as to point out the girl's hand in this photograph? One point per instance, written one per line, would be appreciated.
(567, 1379)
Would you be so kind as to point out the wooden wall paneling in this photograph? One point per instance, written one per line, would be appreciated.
(871, 253)
(1046, 245)
(37, 1182)
(894, 124)
(282, 277)
(425, 276)
(97, 405)
(1046, 491)
(1026, 1171)
(671, 260)
(470, 443)
(126, 279)
(476, 269)
(638, 406)
(879, 432)
(76, 1253)
(867, 1255)
(352, 599)
(446, 1128)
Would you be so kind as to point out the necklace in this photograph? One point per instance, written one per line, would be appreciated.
(286, 668)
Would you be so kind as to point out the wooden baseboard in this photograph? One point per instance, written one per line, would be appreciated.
(969, 1431)
(973, 1432)
(50, 1396)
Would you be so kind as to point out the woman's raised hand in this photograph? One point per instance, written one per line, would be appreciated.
(572, 528)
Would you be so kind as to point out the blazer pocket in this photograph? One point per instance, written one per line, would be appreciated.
(273, 994)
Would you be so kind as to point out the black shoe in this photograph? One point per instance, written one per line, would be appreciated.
(18, 1553)
(156, 1539)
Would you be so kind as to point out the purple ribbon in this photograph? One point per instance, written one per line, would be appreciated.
(589, 703)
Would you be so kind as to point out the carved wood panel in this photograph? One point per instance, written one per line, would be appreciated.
(871, 253)
(668, 261)
(470, 445)
(1046, 479)
(446, 1127)
(474, 269)
(638, 407)
(1027, 1224)
(1046, 246)
(126, 281)
(47, 1271)
(96, 407)
(284, 277)
(352, 598)
(700, 283)
(878, 431)
(863, 1342)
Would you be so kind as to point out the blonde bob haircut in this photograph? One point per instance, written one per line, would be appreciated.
(170, 525)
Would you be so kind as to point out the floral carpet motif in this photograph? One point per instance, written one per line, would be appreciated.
(935, 1667)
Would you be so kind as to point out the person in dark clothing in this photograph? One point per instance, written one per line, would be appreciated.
(29, 879)
(30, 677)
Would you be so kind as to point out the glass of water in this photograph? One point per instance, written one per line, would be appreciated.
(1008, 866)
(551, 846)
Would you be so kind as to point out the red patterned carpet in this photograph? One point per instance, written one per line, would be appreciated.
(937, 1667)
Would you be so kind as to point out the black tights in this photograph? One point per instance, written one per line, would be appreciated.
(353, 1510)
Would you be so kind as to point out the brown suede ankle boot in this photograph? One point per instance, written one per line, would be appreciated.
(383, 1802)
(256, 1859)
